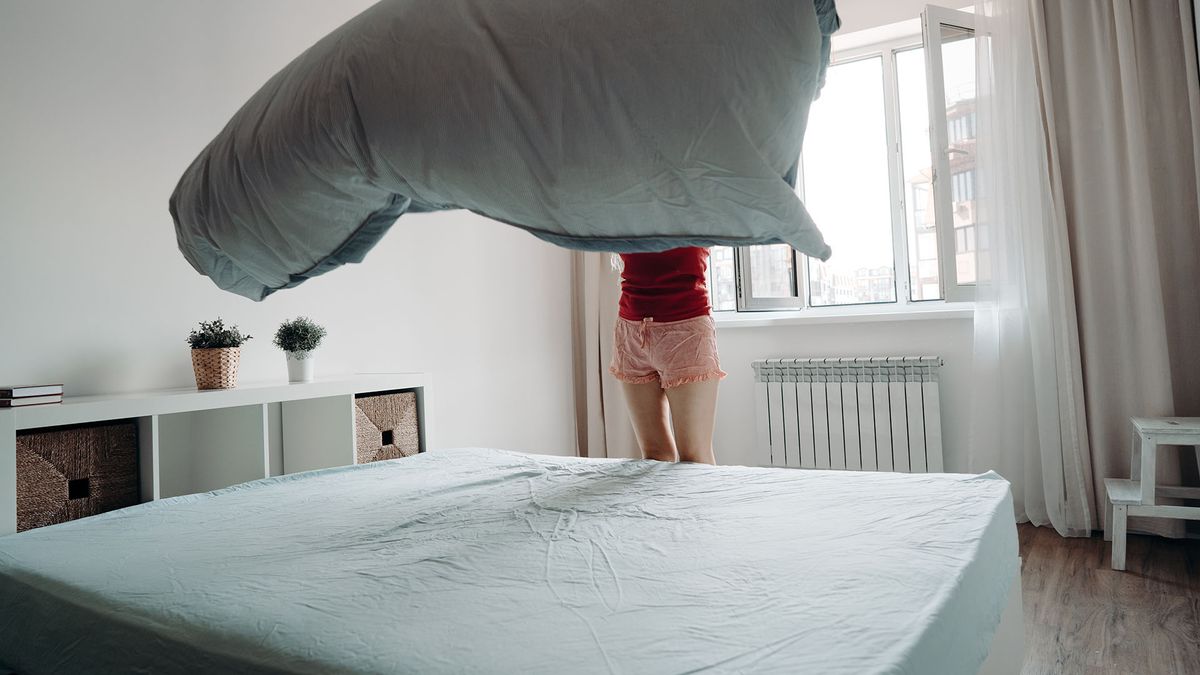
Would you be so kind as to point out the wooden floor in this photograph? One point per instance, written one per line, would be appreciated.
(1082, 617)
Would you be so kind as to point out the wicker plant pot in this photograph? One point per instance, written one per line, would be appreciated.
(216, 368)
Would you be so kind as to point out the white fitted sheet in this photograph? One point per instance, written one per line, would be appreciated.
(488, 561)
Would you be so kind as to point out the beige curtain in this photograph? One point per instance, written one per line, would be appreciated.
(601, 422)
(1123, 85)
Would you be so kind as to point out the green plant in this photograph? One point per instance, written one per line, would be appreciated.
(299, 335)
(216, 335)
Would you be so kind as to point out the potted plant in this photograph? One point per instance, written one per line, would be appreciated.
(298, 338)
(216, 352)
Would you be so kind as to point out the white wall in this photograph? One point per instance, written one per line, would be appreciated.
(103, 105)
(863, 14)
(950, 339)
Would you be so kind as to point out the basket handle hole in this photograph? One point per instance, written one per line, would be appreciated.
(80, 488)
(388, 437)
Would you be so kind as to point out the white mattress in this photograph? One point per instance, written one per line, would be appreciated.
(487, 561)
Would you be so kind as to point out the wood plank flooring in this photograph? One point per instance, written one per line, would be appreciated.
(1082, 617)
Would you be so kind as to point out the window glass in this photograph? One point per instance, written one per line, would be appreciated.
(772, 271)
(722, 285)
(958, 64)
(847, 188)
(919, 213)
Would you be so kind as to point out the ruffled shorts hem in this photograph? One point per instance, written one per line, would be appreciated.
(633, 379)
(693, 379)
(671, 383)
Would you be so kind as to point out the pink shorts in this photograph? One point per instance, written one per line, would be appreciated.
(672, 353)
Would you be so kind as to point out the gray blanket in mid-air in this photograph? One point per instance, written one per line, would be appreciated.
(615, 125)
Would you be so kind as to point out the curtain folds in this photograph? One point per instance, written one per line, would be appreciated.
(602, 424)
(1089, 173)
(1126, 88)
(1028, 419)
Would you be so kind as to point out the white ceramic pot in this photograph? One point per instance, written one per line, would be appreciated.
(300, 366)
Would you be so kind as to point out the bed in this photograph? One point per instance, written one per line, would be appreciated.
(481, 560)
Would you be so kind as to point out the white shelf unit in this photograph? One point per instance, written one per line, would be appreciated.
(195, 441)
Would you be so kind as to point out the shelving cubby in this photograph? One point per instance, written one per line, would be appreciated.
(192, 441)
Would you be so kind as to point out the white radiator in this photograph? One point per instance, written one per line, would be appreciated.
(861, 414)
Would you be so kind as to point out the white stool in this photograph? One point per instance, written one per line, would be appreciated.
(1135, 497)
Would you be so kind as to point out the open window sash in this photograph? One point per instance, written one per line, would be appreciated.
(752, 298)
(949, 37)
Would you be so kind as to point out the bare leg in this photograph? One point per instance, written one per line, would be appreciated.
(693, 414)
(648, 410)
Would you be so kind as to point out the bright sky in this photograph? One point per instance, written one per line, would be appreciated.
(846, 182)
(845, 166)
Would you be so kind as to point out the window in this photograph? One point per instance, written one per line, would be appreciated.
(870, 177)
(963, 188)
(916, 176)
(950, 64)
(722, 283)
(847, 187)
(962, 127)
(964, 239)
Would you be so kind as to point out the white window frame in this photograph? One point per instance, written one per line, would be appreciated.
(746, 302)
(951, 290)
(932, 20)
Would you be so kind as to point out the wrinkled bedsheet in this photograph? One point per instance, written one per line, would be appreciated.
(484, 561)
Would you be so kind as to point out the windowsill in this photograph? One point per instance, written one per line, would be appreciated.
(859, 314)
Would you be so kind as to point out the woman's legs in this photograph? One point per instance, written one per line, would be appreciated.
(693, 414)
(648, 409)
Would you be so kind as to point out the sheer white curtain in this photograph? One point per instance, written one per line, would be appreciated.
(1027, 412)
(1089, 114)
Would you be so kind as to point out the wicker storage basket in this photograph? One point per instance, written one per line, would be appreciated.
(72, 472)
(386, 426)
(216, 368)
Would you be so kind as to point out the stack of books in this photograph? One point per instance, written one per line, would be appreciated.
(30, 394)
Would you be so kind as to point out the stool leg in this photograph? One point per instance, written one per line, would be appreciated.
(1135, 457)
(1118, 535)
(1149, 471)
(1108, 519)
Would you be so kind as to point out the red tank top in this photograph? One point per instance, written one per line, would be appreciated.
(667, 286)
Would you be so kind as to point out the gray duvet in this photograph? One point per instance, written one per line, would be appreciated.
(615, 125)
